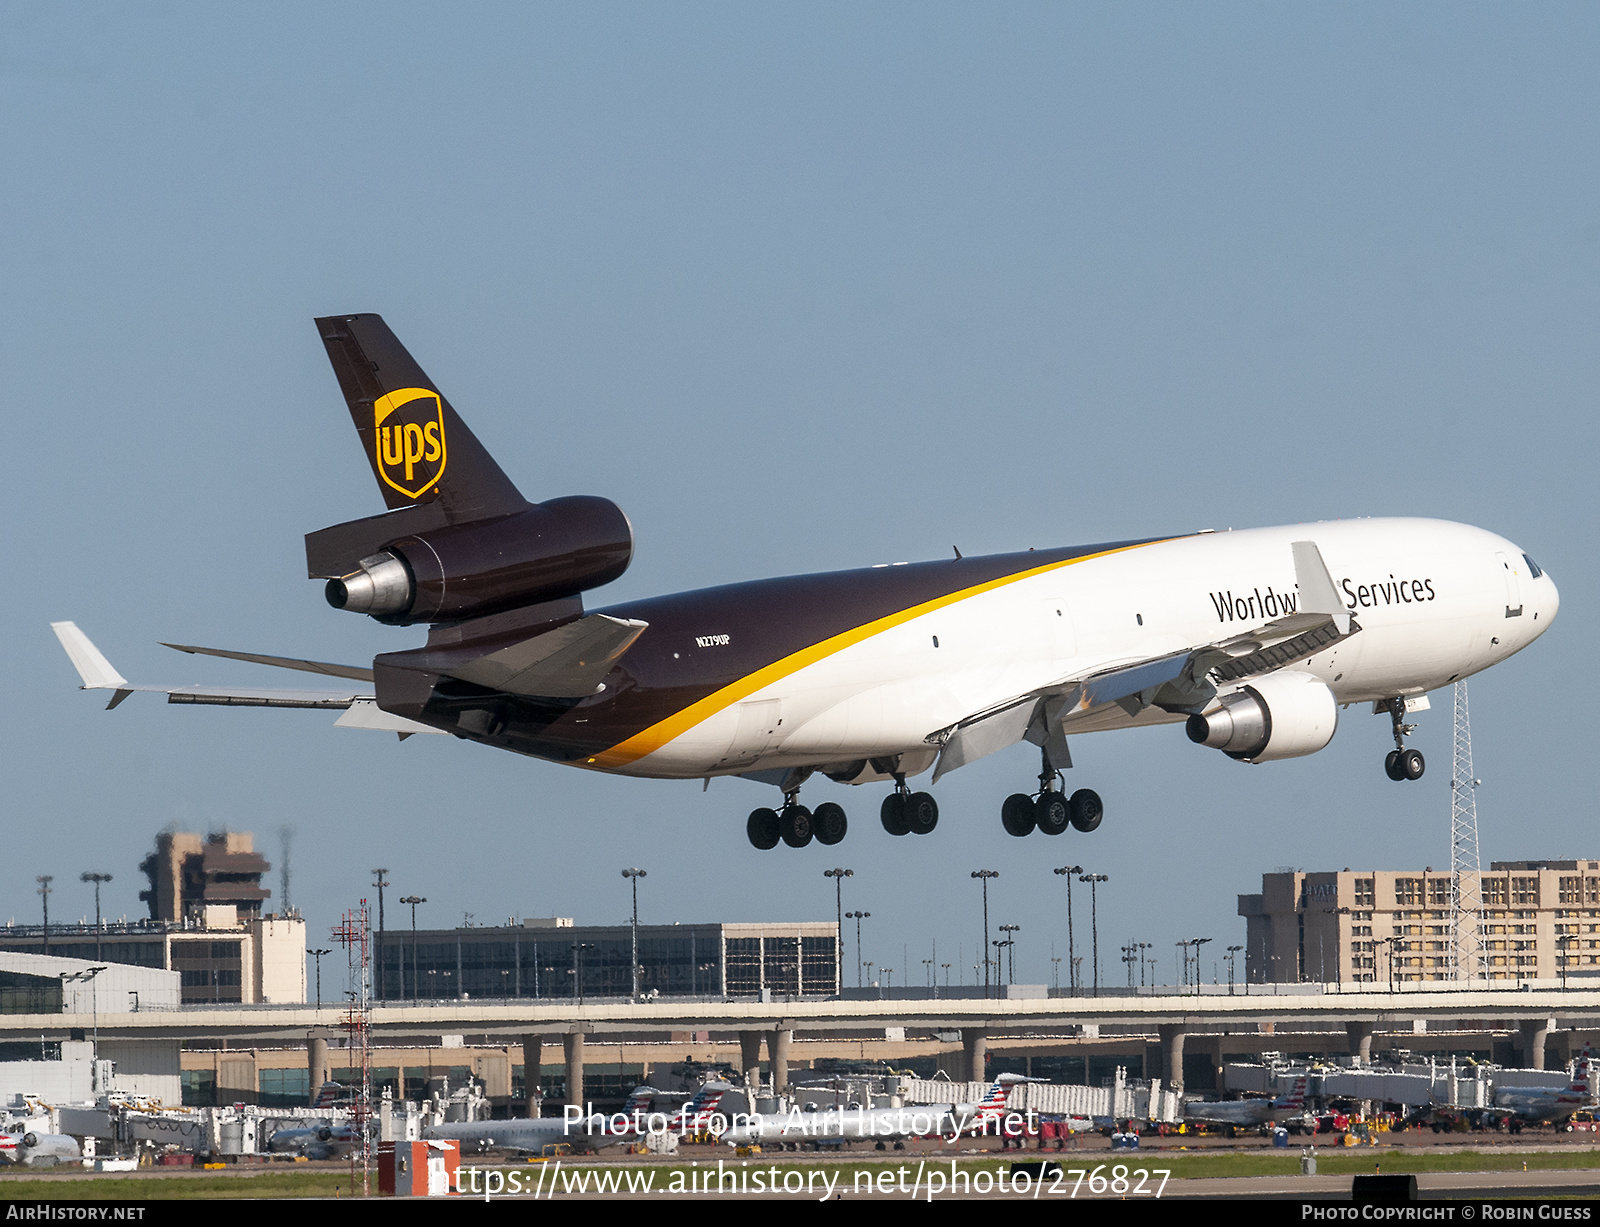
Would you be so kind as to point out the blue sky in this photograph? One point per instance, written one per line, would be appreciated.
(800, 288)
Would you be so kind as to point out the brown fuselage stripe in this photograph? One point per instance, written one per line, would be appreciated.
(650, 739)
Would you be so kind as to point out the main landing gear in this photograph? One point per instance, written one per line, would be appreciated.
(1401, 763)
(1050, 809)
(908, 813)
(795, 825)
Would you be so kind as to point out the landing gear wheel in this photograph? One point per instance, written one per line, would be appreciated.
(1017, 815)
(1051, 812)
(1391, 765)
(794, 824)
(922, 813)
(829, 822)
(1086, 810)
(1411, 764)
(762, 828)
(893, 815)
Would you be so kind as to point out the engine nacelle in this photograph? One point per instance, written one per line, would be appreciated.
(552, 550)
(1281, 715)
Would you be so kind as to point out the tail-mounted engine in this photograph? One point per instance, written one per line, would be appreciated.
(1280, 715)
(548, 551)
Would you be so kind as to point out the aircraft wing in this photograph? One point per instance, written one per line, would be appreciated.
(354, 672)
(358, 704)
(1185, 680)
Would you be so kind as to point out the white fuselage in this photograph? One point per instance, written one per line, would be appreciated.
(1436, 601)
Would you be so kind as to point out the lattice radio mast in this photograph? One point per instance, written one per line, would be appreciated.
(354, 932)
(1466, 914)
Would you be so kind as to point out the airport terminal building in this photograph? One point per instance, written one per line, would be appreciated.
(553, 958)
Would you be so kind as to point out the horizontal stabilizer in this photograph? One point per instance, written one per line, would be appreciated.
(354, 672)
(566, 663)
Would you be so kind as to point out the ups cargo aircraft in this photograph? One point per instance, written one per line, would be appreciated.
(1253, 640)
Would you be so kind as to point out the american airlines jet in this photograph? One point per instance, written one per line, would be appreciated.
(1254, 641)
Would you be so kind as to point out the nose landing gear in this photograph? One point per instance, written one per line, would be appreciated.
(1400, 763)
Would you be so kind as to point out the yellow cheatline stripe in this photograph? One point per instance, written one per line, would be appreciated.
(659, 734)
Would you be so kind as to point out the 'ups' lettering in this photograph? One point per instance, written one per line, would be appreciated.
(413, 446)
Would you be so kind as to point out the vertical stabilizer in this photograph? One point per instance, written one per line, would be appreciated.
(420, 451)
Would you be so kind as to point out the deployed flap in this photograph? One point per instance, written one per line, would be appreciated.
(566, 663)
(984, 735)
(353, 672)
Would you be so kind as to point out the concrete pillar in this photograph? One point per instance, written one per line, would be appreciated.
(1172, 1037)
(778, 1058)
(1535, 1032)
(532, 1059)
(750, 1054)
(975, 1047)
(572, 1042)
(1360, 1034)
(316, 1065)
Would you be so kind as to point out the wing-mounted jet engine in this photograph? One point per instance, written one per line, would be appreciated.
(1282, 715)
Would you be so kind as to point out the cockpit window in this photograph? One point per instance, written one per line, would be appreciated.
(1533, 567)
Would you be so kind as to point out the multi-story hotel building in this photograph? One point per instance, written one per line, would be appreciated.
(1540, 921)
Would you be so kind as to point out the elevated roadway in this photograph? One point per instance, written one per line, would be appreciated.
(1359, 1010)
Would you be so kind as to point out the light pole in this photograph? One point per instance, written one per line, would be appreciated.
(89, 974)
(838, 876)
(44, 893)
(1128, 960)
(933, 980)
(1066, 871)
(577, 968)
(1094, 880)
(1197, 943)
(1141, 947)
(317, 954)
(858, 917)
(96, 878)
(382, 881)
(946, 967)
(1011, 957)
(633, 875)
(983, 876)
(1233, 952)
(413, 900)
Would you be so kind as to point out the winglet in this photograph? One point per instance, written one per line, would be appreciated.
(92, 666)
(1317, 592)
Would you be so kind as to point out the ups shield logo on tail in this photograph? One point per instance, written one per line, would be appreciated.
(408, 440)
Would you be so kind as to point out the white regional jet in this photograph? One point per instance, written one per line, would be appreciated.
(1252, 640)
(1543, 1103)
(1244, 1113)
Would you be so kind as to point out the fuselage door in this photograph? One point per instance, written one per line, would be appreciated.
(1513, 586)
